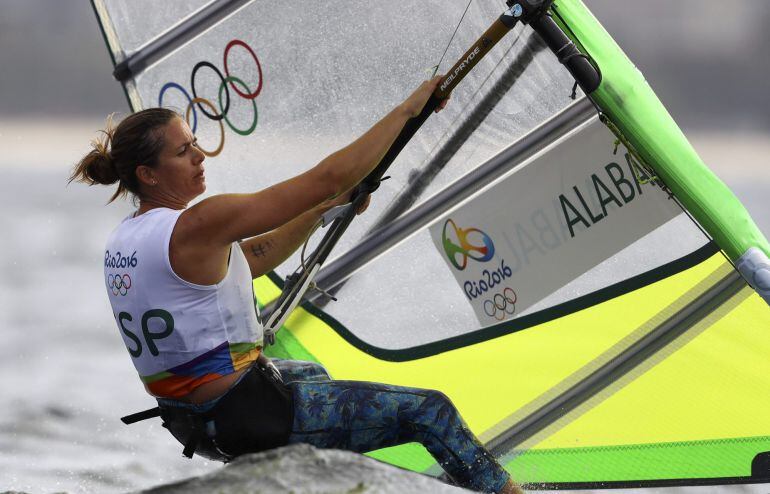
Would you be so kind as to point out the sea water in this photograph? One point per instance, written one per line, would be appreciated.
(65, 376)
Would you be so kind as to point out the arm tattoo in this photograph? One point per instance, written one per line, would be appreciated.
(261, 249)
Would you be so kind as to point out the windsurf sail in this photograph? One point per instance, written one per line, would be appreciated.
(562, 265)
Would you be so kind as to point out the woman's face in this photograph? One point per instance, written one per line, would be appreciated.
(179, 173)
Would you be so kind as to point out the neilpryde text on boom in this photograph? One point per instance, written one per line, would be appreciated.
(460, 68)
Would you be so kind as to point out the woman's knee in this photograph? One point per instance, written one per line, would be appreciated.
(438, 408)
(438, 397)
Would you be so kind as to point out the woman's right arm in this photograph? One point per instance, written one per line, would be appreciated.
(223, 219)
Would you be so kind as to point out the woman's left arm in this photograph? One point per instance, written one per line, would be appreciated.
(267, 251)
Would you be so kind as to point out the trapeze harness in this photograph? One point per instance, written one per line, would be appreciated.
(181, 335)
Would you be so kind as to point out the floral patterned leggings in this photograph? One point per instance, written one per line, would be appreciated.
(364, 416)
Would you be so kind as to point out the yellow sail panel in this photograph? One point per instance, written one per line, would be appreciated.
(694, 410)
(708, 388)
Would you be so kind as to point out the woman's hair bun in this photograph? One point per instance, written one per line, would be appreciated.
(101, 168)
(98, 167)
(117, 153)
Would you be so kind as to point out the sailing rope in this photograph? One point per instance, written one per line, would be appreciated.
(435, 68)
(572, 36)
(302, 260)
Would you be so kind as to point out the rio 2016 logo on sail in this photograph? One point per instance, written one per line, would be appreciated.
(226, 79)
(457, 243)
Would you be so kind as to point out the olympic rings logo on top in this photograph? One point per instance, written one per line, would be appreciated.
(227, 79)
(119, 284)
(501, 304)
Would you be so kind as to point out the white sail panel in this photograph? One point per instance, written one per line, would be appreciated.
(555, 218)
(307, 84)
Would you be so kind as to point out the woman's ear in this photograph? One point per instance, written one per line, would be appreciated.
(146, 175)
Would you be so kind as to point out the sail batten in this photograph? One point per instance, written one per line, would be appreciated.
(667, 414)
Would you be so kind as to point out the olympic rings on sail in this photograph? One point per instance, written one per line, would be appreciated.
(221, 127)
(207, 108)
(174, 85)
(501, 304)
(463, 247)
(256, 61)
(118, 284)
(231, 79)
(224, 84)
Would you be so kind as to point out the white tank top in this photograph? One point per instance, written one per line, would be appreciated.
(179, 334)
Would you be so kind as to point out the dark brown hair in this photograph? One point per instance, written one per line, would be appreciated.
(137, 140)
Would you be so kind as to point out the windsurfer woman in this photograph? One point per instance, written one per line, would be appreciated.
(185, 307)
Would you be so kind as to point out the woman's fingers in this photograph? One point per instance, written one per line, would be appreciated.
(434, 83)
(416, 101)
(364, 205)
(443, 104)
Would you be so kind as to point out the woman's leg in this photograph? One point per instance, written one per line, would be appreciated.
(363, 416)
(300, 370)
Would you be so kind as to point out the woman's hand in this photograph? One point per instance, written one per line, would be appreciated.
(414, 104)
(345, 198)
(364, 204)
